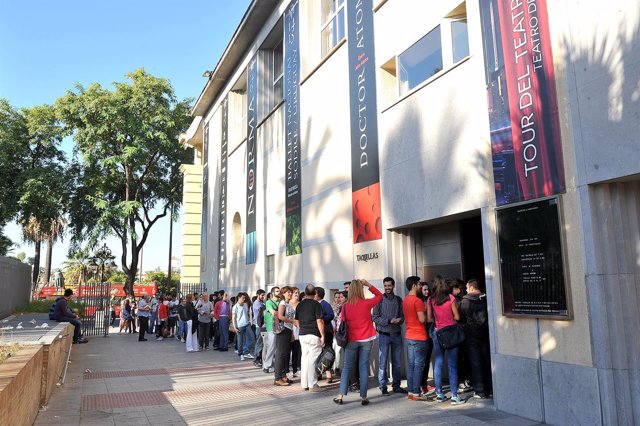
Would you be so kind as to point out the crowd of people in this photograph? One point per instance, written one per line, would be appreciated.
(290, 333)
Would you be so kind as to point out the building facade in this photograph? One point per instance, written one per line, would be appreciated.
(494, 140)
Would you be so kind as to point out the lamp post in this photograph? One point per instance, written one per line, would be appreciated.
(102, 257)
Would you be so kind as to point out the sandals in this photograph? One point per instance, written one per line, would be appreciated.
(330, 380)
(338, 400)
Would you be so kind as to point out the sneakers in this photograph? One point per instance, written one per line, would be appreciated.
(182, 340)
(440, 397)
(242, 358)
(267, 370)
(385, 392)
(316, 388)
(160, 338)
(236, 351)
(480, 395)
(400, 390)
(465, 387)
(455, 400)
(416, 397)
(248, 356)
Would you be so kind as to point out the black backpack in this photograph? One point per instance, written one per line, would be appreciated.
(260, 319)
(325, 360)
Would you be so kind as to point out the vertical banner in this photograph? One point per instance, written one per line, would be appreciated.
(292, 171)
(523, 108)
(205, 200)
(365, 173)
(222, 228)
(252, 118)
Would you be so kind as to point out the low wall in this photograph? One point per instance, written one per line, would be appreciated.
(20, 382)
(15, 285)
(56, 346)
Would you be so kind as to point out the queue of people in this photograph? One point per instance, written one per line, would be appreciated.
(290, 333)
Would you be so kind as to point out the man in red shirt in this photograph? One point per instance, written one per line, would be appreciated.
(415, 336)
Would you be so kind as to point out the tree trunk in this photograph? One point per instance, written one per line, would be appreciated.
(47, 265)
(36, 264)
(170, 283)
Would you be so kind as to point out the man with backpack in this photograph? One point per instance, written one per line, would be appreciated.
(473, 317)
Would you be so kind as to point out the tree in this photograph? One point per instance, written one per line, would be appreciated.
(55, 232)
(76, 267)
(32, 171)
(13, 133)
(128, 176)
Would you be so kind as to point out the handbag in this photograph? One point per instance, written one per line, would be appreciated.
(342, 335)
(450, 336)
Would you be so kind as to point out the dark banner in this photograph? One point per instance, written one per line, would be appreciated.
(222, 228)
(365, 173)
(252, 121)
(531, 261)
(523, 107)
(292, 171)
(205, 200)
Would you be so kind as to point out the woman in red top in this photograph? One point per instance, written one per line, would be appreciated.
(360, 335)
(443, 309)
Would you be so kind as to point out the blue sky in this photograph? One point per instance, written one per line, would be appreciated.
(46, 47)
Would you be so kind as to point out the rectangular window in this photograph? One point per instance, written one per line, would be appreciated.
(459, 40)
(332, 24)
(421, 61)
(278, 75)
(271, 269)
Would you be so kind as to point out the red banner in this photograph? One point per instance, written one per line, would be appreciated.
(523, 106)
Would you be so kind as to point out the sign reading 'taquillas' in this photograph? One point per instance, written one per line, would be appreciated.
(365, 172)
(293, 181)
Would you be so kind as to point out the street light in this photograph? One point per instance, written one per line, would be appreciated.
(103, 257)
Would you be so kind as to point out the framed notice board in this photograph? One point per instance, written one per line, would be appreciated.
(531, 260)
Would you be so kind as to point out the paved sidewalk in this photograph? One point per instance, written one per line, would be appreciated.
(120, 381)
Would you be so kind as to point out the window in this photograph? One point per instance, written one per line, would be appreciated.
(420, 61)
(271, 269)
(278, 74)
(459, 40)
(332, 24)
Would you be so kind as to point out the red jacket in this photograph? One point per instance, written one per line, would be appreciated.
(163, 312)
(358, 317)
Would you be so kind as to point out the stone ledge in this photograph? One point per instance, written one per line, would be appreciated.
(20, 383)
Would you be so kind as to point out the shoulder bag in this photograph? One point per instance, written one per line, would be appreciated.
(450, 336)
(341, 334)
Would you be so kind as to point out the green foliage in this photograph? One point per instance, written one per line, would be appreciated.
(295, 230)
(163, 283)
(127, 176)
(42, 306)
(118, 277)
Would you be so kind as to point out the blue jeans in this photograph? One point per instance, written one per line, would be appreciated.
(224, 332)
(452, 361)
(363, 351)
(384, 343)
(416, 354)
(152, 323)
(243, 339)
(182, 329)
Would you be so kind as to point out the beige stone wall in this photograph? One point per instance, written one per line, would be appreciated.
(191, 223)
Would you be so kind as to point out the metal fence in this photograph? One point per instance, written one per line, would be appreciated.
(95, 299)
(189, 288)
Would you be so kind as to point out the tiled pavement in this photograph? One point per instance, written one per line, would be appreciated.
(120, 381)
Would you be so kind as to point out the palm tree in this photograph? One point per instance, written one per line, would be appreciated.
(76, 267)
(56, 230)
(31, 233)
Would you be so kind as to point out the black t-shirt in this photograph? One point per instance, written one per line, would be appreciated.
(308, 312)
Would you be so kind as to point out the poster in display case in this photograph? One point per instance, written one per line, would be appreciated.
(532, 269)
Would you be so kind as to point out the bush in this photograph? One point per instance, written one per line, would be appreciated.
(43, 306)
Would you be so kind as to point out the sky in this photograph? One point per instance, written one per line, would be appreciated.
(46, 47)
